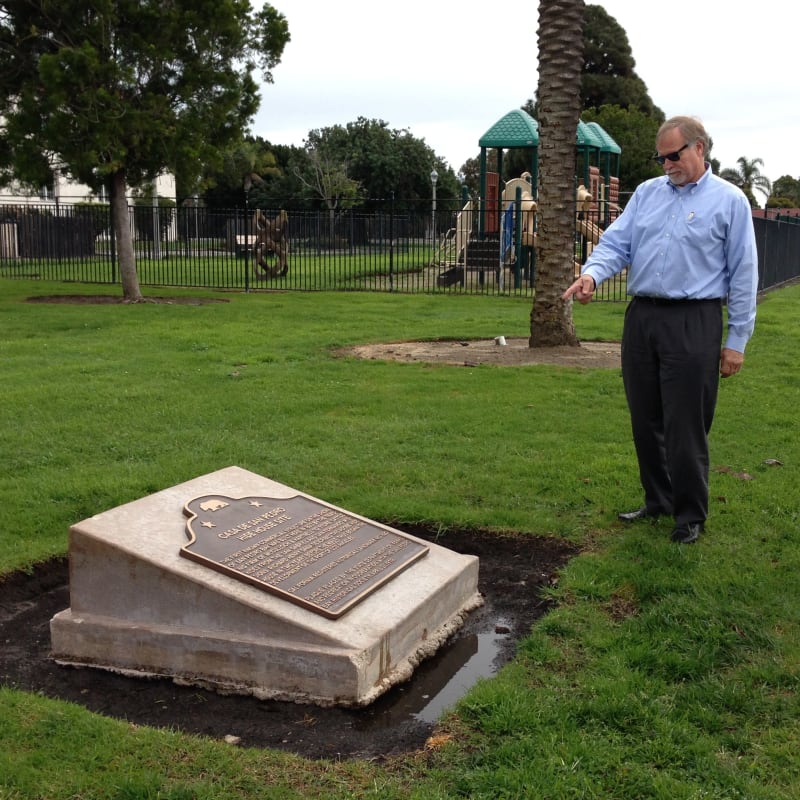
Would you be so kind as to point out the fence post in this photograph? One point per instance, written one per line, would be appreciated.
(391, 242)
(113, 244)
(247, 256)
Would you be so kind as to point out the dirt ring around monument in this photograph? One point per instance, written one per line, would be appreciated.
(516, 570)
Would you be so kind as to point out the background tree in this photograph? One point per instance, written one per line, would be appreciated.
(119, 91)
(365, 154)
(748, 177)
(785, 193)
(386, 162)
(613, 95)
(279, 186)
(635, 132)
(470, 171)
(324, 175)
(609, 74)
(245, 165)
(560, 38)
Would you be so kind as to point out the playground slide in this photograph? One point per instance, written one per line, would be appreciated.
(588, 229)
(510, 189)
(463, 229)
(528, 206)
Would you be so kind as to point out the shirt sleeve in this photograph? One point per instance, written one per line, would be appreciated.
(613, 252)
(742, 261)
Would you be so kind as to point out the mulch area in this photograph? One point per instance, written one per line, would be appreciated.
(110, 300)
(514, 571)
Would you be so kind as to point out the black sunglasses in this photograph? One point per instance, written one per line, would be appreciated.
(676, 156)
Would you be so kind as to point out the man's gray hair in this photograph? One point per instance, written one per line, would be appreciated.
(691, 128)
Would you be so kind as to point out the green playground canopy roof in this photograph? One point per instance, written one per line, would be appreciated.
(520, 129)
(515, 129)
(608, 145)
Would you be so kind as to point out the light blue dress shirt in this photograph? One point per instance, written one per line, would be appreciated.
(695, 241)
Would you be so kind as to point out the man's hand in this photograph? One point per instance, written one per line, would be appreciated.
(582, 289)
(730, 362)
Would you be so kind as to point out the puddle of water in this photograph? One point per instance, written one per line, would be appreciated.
(439, 682)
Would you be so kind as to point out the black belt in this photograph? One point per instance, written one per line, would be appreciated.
(674, 301)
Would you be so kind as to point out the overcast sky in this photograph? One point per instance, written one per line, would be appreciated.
(447, 71)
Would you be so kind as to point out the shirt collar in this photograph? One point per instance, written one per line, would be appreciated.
(693, 184)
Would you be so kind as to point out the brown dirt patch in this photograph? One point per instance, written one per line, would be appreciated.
(514, 572)
(108, 299)
(476, 352)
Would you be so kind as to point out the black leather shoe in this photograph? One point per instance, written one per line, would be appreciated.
(688, 533)
(640, 513)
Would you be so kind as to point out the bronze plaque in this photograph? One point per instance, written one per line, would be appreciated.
(300, 549)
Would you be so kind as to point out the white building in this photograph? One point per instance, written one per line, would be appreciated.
(65, 190)
(63, 193)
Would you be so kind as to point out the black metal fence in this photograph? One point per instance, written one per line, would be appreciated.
(393, 247)
(778, 243)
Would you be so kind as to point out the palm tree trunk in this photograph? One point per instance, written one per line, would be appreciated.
(560, 67)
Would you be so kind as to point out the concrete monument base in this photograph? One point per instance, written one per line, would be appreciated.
(142, 602)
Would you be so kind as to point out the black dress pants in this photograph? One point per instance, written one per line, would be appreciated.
(670, 369)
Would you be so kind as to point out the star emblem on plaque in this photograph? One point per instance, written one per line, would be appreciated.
(297, 548)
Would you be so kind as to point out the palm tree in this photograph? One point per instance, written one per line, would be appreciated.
(748, 177)
(559, 103)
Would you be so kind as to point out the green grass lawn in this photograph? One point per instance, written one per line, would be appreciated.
(664, 672)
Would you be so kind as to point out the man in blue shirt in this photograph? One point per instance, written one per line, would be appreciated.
(688, 243)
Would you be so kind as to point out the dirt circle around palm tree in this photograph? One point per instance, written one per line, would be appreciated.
(514, 352)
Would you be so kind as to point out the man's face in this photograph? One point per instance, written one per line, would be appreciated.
(690, 166)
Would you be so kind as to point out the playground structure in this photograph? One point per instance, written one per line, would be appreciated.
(497, 230)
